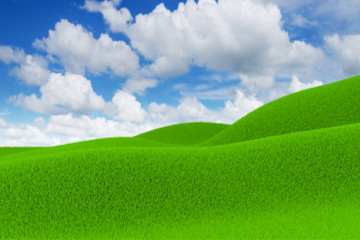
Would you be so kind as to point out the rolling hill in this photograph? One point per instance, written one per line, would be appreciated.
(297, 180)
(185, 133)
(331, 105)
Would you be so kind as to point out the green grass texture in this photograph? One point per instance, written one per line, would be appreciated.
(185, 133)
(330, 105)
(4, 151)
(297, 183)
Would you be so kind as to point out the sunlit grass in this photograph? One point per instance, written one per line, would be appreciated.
(330, 105)
(275, 185)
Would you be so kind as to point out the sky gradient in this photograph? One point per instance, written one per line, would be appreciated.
(74, 70)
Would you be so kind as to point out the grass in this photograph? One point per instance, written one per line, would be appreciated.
(331, 105)
(184, 134)
(5, 151)
(293, 185)
(11, 153)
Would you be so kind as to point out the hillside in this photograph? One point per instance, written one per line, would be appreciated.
(6, 152)
(185, 133)
(139, 191)
(171, 136)
(326, 106)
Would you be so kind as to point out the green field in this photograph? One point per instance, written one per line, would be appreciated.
(288, 170)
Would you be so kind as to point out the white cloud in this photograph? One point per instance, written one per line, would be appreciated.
(24, 135)
(192, 110)
(116, 2)
(9, 55)
(79, 50)
(62, 94)
(242, 36)
(33, 70)
(160, 112)
(63, 129)
(39, 122)
(139, 85)
(117, 19)
(239, 107)
(347, 49)
(167, 66)
(189, 110)
(125, 107)
(296, 85)
(85, 128)
(254, 83)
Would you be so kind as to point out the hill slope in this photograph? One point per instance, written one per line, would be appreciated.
(6, 151)
(107, 193)
(185, 133)
(171, 136)
(330, 105)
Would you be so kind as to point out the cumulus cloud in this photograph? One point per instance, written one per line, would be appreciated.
(242, 36)
(24, 135)
(296, 85)
(347, 49)
(239, 106)
(139, 85)
(62, 94)
(189, 109)
(84, 127)
(78, 50)
(117, 19)
(125, 107)
(39, 122)
(254, 83)
(32, 69)
(62, 129)
(10, 55)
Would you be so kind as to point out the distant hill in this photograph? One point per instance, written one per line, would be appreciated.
(326, 106)
(185, 133)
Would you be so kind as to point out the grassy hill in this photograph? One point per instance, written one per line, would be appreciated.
(125, 193)
(11, 153)
(5, 151)
(293, 182)
(185, 133)
(331, 105)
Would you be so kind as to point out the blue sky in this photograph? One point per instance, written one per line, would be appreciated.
(73, 70)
